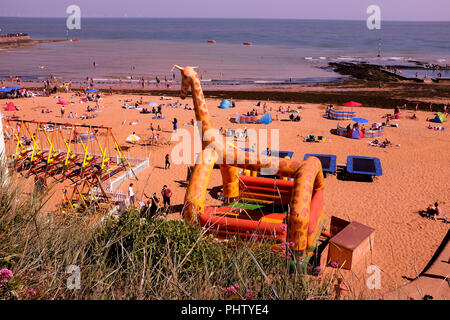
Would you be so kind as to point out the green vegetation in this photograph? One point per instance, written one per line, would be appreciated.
(129, 257)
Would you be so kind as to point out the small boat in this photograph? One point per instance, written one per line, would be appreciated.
(247, 43)
(74, 40)
(211, 41)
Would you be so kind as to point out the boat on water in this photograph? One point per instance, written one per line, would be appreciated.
(247, 43)
(74, 40)
(211, 41)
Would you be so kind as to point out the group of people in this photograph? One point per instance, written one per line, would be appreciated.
(150, 207)
(254, 112)
(434, 211)
(294, 118)
(382, 144)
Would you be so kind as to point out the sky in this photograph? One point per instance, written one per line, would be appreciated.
(398, 10)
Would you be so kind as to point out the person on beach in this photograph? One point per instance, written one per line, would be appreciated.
(167, 164)
(396, 110)
(175, 123)
(131, 194)
(154, 204)
(62, 112)
(438, 210)
(166, 194)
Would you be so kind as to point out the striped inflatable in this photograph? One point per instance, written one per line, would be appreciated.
(341, 115)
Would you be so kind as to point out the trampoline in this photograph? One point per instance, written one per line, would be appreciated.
(328, 162)
(364, 166)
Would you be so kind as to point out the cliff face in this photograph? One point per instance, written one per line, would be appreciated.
(12, 40)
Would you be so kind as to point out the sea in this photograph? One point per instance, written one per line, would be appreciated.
(281, 51)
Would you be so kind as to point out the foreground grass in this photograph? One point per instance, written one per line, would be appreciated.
(134, 258)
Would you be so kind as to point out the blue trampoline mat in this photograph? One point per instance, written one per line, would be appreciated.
(364, 166)
(328, 161)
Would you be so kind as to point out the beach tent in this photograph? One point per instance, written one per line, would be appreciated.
(356, 133)
(225, 104)
(63, 102)
(266, 119)
(440, 118)
(132, 138)
(10, 107)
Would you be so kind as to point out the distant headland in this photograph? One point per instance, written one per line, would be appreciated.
(14, 40)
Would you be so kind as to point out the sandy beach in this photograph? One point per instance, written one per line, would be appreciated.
(415, 170)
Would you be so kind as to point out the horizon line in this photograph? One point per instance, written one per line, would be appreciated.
(223, 18)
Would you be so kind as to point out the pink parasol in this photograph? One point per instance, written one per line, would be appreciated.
(352, 104)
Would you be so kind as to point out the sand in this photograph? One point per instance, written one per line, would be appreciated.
(415, 173)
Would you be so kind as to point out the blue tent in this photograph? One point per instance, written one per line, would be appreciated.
(266, 119)
(15, 88)
(357, 134)
(225, 104)
(92, 90)
(5, 89)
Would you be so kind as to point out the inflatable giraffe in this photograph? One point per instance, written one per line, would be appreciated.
(306, 214)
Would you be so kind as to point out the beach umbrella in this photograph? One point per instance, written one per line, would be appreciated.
(293, 111)
(360, 120)
(132, 138)
(92, 90)
(352, 104)
(5, 89)
(15, 88)
(152, 104)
